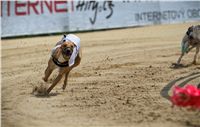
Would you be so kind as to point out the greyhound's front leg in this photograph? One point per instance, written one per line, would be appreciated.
(49, 70)
(184, 48)
(58, 78)
(179, 60)
(66, 79)
(195, 56)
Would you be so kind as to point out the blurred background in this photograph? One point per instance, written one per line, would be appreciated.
(45, 17)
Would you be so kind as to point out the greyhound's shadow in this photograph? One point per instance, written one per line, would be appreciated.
(46, 95)
(179, 66)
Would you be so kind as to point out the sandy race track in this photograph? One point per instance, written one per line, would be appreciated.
(123, 80)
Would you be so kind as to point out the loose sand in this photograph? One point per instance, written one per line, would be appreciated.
(123, 80)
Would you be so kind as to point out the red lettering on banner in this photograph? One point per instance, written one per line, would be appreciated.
(8, 8)
(29, 7)
(41, 6)
(56, 3)
(33, 5)
(17, 6)
(48, 5)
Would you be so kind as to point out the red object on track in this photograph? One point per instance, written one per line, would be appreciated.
(188, 96)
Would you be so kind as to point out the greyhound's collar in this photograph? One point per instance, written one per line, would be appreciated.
(64, 64)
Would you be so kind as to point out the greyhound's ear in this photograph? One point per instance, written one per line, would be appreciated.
(63, 39)
(190, 28)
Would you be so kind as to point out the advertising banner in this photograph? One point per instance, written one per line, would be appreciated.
(44, 17)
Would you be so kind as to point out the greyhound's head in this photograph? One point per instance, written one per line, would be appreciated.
(193, 33)
(67, 49)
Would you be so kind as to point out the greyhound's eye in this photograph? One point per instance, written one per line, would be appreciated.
(64, 46)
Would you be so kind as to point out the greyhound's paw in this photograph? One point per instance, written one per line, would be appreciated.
(64, 86)
(194, 62)
(44, 79)
(176, 65)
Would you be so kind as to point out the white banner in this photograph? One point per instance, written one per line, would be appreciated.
(43, 17)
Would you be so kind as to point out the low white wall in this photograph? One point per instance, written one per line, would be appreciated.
(41, 17)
